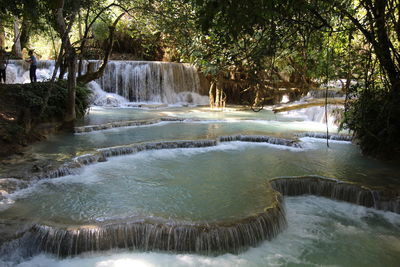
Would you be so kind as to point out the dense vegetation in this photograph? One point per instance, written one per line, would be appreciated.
(251, 51)
(27, 115)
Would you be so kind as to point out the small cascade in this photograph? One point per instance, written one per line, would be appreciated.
(336, 137)
(338, 190)
(89, 159)
(9, 186)
(323, 93)
(65, 170)
(261, 139)
(130, 149)
(386, 200)
(117, 124)
(154, 234)
(103, 153)
(104, 99)
(317, 114)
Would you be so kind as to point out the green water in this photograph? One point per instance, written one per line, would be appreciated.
(196, 184)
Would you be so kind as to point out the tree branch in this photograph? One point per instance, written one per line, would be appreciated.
(90, 76)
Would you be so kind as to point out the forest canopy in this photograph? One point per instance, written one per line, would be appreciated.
(249, 50)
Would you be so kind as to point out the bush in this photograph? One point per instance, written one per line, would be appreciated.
(374, 117)
(22, 109)
(32, 96)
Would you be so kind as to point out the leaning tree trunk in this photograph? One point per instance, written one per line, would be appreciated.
(91, 76)
(25, 28)
(16, 48)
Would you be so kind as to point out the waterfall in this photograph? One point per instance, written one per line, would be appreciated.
(336, 137)
(212, 238)
(317, 114)
(323, 93)
(261, 139)
(338, 190)
(117, 124)
(154, 234)
(151, 81)
(18, 71)
(129, 81)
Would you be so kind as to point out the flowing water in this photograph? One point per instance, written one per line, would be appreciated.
(320, 232)
(216, 192)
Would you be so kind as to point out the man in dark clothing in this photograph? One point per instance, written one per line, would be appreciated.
(32, 69)
(3, 65)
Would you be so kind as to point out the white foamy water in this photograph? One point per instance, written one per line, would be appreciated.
(102, 98)
(150, 81)
(316, 114)
(320, 233)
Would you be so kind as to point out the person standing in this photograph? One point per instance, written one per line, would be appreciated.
(3, 66)
(32, 70)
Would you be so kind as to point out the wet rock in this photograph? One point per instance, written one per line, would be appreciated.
(10, 185)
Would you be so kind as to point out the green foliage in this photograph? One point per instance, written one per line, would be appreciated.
(100, 30)
(32, 96)
(23, 105)
(374, 116)
(139, 37)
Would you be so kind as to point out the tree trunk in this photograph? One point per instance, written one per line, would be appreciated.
(25, 28)
(62, 31)
(377, 35)
(16, 48)
(217, 96)
(383, 45)
(63, 67)
(211, 95)
(71, 85)
(2, 36)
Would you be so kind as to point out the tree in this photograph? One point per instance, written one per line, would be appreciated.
(226, 37)
(21, 14)
(64, 20)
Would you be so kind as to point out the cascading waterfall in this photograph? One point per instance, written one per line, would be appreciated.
(339, 190)
(150, 81)
(317, 114)
(135, 81)
(211, 238)
(157, 234)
